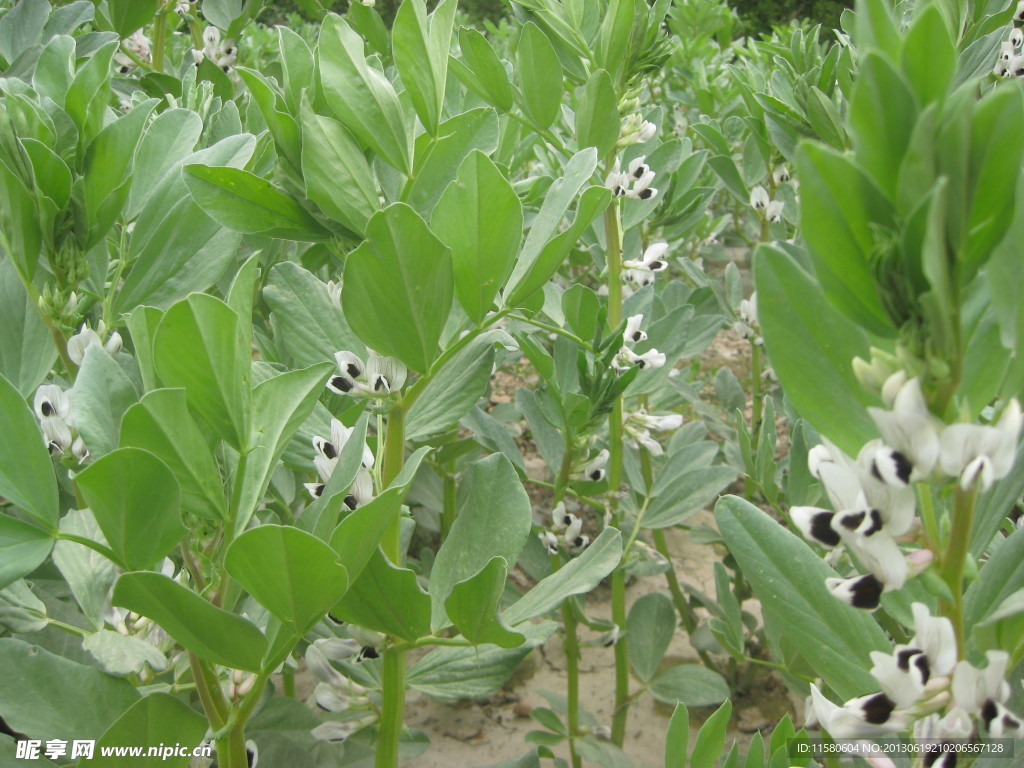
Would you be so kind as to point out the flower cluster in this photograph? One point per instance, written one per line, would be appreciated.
(566, 528)
(768, 209)
(52, 405)
(137, 44)
(748, 326)
(636, 130)
(1011, 57)
(921, 682)
(336, 693)
(627, 358)
(635, 182)
(222, 53)
(872, 497)
(87, 337)
(640, 272)
(639, 425)
(326, 459)
(377, 378)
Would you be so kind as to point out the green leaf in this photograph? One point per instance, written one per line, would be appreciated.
(280, 406)
(480, 219)
(200, 345)
(547, 224)
(244, 202)
(421, 56)
(136, 501)
(27, 351)
(789, 579)
(597, 116)
(581, 575)
(388, 599)
(486, 67)
(123, 654)
(23, 548)
(677, 738)
(142, 325)
(129, 15)
(472, 607)
(840, 211)
(438, 160)
(102, 393)
(471, 673)
(201, 627)
(291, 573)
(398, 287)
(21, 26)
(999, 578)
(158, 718)
(56, 698)
(26, 471)
(222, 12)
(169, 139)
(540, 76)
(692, 684)
(494, 521)
(686, 494)
(89, 574)
(812, 349)
(161, 424)
(650, 626)
(361, 96)
(306, 324)
(357, 536)
(928, 57)
(453, 390)
(710, 743)
(337, 176)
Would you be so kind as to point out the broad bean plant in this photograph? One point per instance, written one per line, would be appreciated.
(264, 287)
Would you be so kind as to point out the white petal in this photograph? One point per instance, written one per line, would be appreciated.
(349, 364)
(934, 635)
(362, 488)
(892, 387)
(318, 664)
(329, 699)
(815, 524)
(337, 648)
(633, 333)
(391, 369)
(900, 674)
(56, 433)
(52, 401)
(114, 343)
(655, 252)
(595, 468)
(851, 721)
(652, 358)
(1001, 723)
(972, 687)
(759, 198)
(859, 591)
(80, 342)
(774, 211)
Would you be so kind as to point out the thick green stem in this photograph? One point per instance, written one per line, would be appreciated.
(393, 709)
(210, 695)
(755, 411)
(572, 667)
(953, 563)
(160, 37)
(393, 675)
(621, 657)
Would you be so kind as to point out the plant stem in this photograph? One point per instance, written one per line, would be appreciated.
(95, 546)
(613, 248)
(393, 709)
(572, 667)
(953, 563)
(393, 675)
(160, 38)
(288, 681)
(210, 696)
(553, 329)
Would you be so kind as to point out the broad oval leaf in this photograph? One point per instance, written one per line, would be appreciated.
(26, 470)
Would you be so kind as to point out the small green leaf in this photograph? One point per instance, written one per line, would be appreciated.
(597, 116)
(211, 632)
(677, 738)
(692, 684)
(26, 471)
(486, 67)
(157, 718)
(291, 573)
(136, 501)
(398, 287)
(244, 202)
(27, 351)
(388, 599)
(540, 76)
(161, 424)
(710, 743)
(472, 607)
(23, 548)
(480, 219)
(102, 394)
(200, 345)
(650, 626)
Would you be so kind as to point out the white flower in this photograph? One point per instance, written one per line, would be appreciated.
(573, 536)
(652, 358)
(378, 378)
(983, 692)
(909, 430)
(981, 454)
(1016, 38)
(334, 292)
(860, 718)
(931, 653)
(648, 131)
(1018, 14)
(653, 259)
(665, 423)
(759, 198)
(618, 182)
(860, 591)
(550, 542)
(1006, 51)
(52, 402)
(633, 333)
(1016, 66)
(78, 449)
(773, 213)
(80, 342)
(211, 38)
(642, 189)
(561, 519)
(325, 460)
(596, 468)
(636, 130)
(748, 310)
(780, 175)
